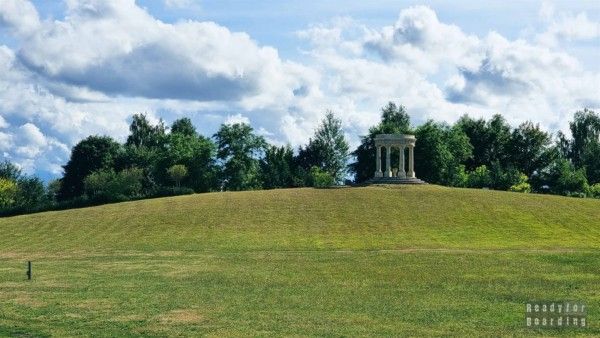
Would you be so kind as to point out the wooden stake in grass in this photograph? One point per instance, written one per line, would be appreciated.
(29, 270)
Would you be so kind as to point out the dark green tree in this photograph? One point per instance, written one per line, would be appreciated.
(31, 194)
(583, 149)
(89, 155)
(530, 148)
(394, 120)
(184, 127)
(490, 140)
(439, 152)
(197, 154)
(239, 151)
(278, 169)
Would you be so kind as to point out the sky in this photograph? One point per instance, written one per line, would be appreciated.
(74, 68)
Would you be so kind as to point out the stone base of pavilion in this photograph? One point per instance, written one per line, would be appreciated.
(395, 180)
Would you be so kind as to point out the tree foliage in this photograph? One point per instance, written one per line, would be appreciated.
(91, 154)
(239, 150)
(328, 149)
(278, 168)
(177, 172)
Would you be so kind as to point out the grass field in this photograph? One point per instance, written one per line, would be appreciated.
(387, 261)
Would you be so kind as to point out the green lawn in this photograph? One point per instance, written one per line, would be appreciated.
(386, 261)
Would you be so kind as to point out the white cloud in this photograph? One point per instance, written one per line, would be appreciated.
(237, 118)
(19, 16)
(421, 40)
(569, 28)
(181, 4)
(117, 48)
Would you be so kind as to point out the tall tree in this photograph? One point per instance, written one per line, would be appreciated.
(239, 150)
(394, 120)
(328, 150)
(584, 148)
(143, 134)
(530, 148)
(490, 140)
(441, 150)
(89, 155)
(278, 168)
(184, 127)
(9, 171)
(197, 154)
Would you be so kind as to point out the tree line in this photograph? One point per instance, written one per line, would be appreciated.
(158, 160)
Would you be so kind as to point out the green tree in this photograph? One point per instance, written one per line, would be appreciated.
(31, 194)
(184, 127)
(143, 134)
(490, 140)
(239, 151)
(439, 152)
(8, 193)
(530, 148)
(328, 150)
(394, 120)
(9, 171)
(583, 149)
(197, 154)
(561, 178)
(89, 155)
(278, 168)
(177, 173)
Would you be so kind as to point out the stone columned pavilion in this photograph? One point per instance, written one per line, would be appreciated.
(405, 173)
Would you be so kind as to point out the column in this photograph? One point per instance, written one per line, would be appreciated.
(388, 165)
(401, 171)
(378, 172)
(411, 161)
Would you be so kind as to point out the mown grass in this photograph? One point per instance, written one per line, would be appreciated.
(385, 261)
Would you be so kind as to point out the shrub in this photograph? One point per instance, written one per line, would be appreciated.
(522, 185)
(321, 178)
(108, 186)
(480, 178)
(594, 191)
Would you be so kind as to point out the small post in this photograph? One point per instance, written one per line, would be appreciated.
(29, 270)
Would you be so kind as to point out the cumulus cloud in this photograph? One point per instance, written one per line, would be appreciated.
(20, 16)
(420, 39)
(570, 28)
(117, 48)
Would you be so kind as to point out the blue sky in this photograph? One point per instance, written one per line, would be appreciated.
(73, 68)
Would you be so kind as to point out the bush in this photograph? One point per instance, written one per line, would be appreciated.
(594, 191)
(480, 178)
(108, 186)
(320, 178)
(522, 185)
(458, 176)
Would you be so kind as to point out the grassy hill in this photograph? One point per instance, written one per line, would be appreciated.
(387, 260)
